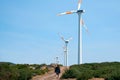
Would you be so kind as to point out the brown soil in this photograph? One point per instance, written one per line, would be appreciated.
(97, 79)
(50, 75)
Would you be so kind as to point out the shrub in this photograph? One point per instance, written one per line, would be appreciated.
(9, 71)
(106, 70)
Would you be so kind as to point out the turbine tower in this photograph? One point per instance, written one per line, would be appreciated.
(80, 23)
(65, 50)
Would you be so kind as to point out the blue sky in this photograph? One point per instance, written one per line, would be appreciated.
(29, 31)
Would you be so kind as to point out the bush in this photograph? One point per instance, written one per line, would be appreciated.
(9, 71)
(68, 74)
(106, 70)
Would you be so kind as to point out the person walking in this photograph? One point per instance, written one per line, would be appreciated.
(57, 71)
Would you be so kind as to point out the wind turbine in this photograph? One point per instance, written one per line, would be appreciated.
(56, 60)
(65, 49)
(80, 23)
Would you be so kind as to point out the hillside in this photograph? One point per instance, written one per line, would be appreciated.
(106, 70)
(10, 71)
(91, 71)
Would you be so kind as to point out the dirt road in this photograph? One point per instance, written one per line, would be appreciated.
(50, 75)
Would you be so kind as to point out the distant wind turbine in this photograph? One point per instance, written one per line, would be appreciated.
(65, 49)
(80, 24)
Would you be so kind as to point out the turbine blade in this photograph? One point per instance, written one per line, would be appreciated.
(79, 4)
(61, 37)
(83, 24)
(68, 12)
(70, 38)
(86, 28)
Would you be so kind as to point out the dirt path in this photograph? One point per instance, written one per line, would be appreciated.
(50, 75)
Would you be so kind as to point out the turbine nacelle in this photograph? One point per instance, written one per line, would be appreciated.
(67, 41)
(80, 11)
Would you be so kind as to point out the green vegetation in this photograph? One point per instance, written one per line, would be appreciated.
(106, 70)
(10, 71)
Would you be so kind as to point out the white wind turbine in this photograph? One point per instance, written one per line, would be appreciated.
(65, 49)
(80, 23)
